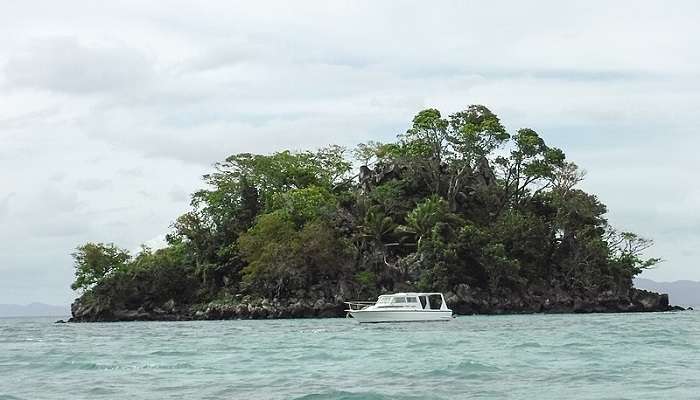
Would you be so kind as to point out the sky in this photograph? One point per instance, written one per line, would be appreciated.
(110, 112)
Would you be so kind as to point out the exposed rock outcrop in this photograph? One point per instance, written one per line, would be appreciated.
(469, 301)
(244, 309)
(463, 300)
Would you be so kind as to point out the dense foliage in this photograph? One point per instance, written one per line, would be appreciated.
(454, 201)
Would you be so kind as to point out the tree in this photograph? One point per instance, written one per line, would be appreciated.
(424, 146)
(444, 153)
(565, 177)
(530, 162)
(425, 216)
(282, 259)
(476, 132)
(627, 250)
(94, 261)
(307, 204)
(282, 171)
(376, 227)
(366, 152)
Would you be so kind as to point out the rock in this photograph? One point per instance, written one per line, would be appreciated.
(60, 321)
(364, 177)
(319, 301)
(484, 173)
(319, 304)
(297, 309)
(649, 301)
(169, 306)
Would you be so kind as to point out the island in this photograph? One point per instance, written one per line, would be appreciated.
(457, 204)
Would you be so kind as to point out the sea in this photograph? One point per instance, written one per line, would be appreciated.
(591, 356)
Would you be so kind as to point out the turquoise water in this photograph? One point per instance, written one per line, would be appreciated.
(611, 356)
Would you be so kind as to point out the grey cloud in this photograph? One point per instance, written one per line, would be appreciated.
(5, 205)
(596, 75)
(49, 212)
(61, 226)
(229, 53)
(57, 201)
(485, 72)
(33, 116)
(159, 93)
(57, 177)
(176, 194)
(93, 184)
(64, 65)
(131, 172)
(207, 144)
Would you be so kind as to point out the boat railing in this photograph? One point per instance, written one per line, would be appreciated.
(359, 305)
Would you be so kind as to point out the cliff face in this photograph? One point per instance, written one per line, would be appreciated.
(463, 301)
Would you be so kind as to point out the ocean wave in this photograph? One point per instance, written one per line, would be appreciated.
(343, 395)
(526, 345)
(468, 369)
(88, 366)
(172, 353)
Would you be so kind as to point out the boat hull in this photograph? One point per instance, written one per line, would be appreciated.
(371, 316)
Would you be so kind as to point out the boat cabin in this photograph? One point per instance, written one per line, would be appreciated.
(401, 307)
(415, 301)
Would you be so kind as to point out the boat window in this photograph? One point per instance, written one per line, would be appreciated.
(422, 301)
(399, 300)
(411, 300)
(435, 301)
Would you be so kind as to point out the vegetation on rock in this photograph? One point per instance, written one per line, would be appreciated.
(457, 205)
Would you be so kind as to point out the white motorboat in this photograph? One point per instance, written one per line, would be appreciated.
(401, 307)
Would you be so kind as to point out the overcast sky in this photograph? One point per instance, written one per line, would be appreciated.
(110, 112)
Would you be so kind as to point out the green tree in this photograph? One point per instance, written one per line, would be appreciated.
(531, 161)
(282, 259)
(425, 216)
(307, 204)
(476, 132)
(94, 261)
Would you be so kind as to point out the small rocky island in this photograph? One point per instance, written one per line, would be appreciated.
(493, 219)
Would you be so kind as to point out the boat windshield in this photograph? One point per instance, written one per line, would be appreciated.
(384, 299)
(398, 300)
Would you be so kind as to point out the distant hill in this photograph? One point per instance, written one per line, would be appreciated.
(33, 310)
(682, 293)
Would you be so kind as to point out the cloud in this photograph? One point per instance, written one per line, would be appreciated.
(176, 194)
(146, 98)
(131, 172)
(92, 184)
(65, 65)
(5, 205)
(49, 211)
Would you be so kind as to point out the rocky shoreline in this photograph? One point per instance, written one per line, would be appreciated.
(463, 301)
